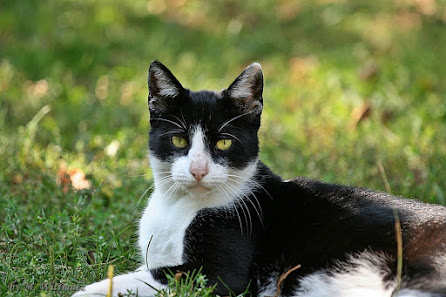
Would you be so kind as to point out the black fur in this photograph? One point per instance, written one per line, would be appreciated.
(209, 109)
(305, 222)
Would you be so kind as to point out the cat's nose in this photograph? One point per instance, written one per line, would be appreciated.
(198, 171)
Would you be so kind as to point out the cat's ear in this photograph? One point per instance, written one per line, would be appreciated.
(247, 89)
(163, 87)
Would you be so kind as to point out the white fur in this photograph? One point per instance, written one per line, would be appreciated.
(364, 280)
(415, 293)
(177, 198)
(166, 222)
(360, 276)
(242, 88)
(219, 187)
(165, 85)
(269, 289)
(134, 282)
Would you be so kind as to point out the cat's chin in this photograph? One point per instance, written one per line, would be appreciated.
(198, 190)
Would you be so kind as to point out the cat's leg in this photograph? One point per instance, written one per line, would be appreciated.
(139, 283)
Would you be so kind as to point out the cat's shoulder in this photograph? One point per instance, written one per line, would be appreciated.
(321, 189)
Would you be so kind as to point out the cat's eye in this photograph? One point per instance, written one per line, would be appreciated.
(224, 144)
(179, 142)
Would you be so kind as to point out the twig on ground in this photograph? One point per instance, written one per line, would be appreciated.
(399, 244)
(110, 284)
(282, 277)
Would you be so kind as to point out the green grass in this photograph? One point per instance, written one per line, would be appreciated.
(190, 284)
(73, 86)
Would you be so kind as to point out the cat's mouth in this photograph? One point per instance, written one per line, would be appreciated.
(198, 189)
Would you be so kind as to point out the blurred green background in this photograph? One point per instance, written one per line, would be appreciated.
(354, 93)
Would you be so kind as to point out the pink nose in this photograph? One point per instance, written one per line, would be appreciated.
(198, 172)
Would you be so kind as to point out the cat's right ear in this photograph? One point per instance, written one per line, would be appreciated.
(163, 87)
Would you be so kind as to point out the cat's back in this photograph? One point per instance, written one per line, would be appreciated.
(365, 218)
(364, 200)
(326, 224)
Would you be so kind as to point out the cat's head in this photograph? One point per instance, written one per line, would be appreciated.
(204, 144)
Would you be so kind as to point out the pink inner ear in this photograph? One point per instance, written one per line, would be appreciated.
(247, 89)
(162, 83)
(166, 88)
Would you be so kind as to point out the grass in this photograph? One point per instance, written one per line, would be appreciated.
(190, 284)
(354, 94)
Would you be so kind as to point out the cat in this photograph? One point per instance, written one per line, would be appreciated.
(216, 206)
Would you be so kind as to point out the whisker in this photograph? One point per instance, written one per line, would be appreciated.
(235, 208)
(249, 214)
(259, 209)
(239, 218)
(163, 171)
(166, 176)
(139, 175)
(231, 120)
(169, 121)
(182, 116)
(140, 200)
(164, 181)
(177, 188)
(177, 131)
(257, 184)
(173, 187)
(244, 214)
(181, 122)
(242, 203)
(226, 209)
(231, 135)
(170, 188)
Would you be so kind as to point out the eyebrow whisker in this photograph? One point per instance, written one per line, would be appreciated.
(231, 120)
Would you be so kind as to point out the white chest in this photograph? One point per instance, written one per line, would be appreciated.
(164, 224)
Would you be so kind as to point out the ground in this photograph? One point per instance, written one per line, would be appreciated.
(354, 94)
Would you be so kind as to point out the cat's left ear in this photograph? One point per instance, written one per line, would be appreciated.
(163, 87)
(247, 89)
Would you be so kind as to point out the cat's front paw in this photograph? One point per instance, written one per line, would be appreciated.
(139, 283)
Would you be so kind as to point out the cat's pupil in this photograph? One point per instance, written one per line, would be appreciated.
(224, 144)
(179, 142)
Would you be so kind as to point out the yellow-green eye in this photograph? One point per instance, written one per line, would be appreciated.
(224, 144)
(179, 142)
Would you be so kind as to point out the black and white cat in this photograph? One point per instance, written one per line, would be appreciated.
(216, 206)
